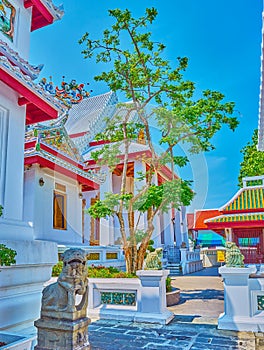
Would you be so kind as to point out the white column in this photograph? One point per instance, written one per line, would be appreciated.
(168, 228)
(177, 228)
(184, 229)
(106, 225)
(156, 222)
(139, 166)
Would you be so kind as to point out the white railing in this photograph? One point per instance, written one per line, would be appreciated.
(190, 261)
(141, 299)
(100, 255)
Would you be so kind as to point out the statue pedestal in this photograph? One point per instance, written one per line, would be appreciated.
(60, 334)
(63, 324)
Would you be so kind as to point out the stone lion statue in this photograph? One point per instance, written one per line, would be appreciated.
(61, 296)
(153, 260)
(234, 257)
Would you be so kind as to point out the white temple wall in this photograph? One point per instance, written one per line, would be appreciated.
(30, 178)
(40, 211)
(12, 154)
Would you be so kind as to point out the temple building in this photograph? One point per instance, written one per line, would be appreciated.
(59, 169)
(22, 102)
(240, 220)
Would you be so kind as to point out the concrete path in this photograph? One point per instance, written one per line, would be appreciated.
(202, 297)
(193, 328)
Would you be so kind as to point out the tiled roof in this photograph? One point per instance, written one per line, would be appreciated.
(201, 215)
(18, 61)
(237, 218)
(60, 151)
(27, 81)
(250, 198)
(84, 116)
(133, 148)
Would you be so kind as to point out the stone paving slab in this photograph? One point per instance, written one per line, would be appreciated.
(106, 335)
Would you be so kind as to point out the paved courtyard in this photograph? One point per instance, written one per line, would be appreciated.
(194, 326)
(202, 297)
(111, 335)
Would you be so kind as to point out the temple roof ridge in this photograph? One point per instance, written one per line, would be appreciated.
(17, 73)
(14, 58)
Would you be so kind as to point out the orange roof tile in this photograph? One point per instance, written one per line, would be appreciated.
(201, 215)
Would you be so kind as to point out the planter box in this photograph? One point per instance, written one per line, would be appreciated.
(15, 342)
(173, 297)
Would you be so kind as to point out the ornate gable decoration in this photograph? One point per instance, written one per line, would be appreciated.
(56, 138)
(246, 199)
(69, 93)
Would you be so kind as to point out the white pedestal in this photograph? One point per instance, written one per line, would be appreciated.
(21, 284)
(238, 314)
(152, 301)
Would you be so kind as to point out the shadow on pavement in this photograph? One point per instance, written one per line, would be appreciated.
(201, 294)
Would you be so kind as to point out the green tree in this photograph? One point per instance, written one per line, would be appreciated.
(137, 69)
(253, 160)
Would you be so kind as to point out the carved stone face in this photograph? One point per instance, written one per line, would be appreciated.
(75, 258)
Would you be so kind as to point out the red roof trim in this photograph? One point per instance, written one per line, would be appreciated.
(41, 16)
(37, 159)
(47, 111)
(79, 134)
(243, 211)
(99, 143)
(222, 225)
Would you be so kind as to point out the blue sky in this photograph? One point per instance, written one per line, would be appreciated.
(222, 40)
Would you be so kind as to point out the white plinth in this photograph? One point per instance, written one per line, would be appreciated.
(152, 301)
(238, 314)
(21, 284)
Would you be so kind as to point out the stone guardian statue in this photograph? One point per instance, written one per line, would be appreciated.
(63, 323)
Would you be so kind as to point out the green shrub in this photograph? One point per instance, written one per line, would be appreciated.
(56, 270)
(107, 272)
(7, 255)
(168, 285)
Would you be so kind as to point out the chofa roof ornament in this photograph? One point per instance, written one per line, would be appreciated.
(69, 93)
